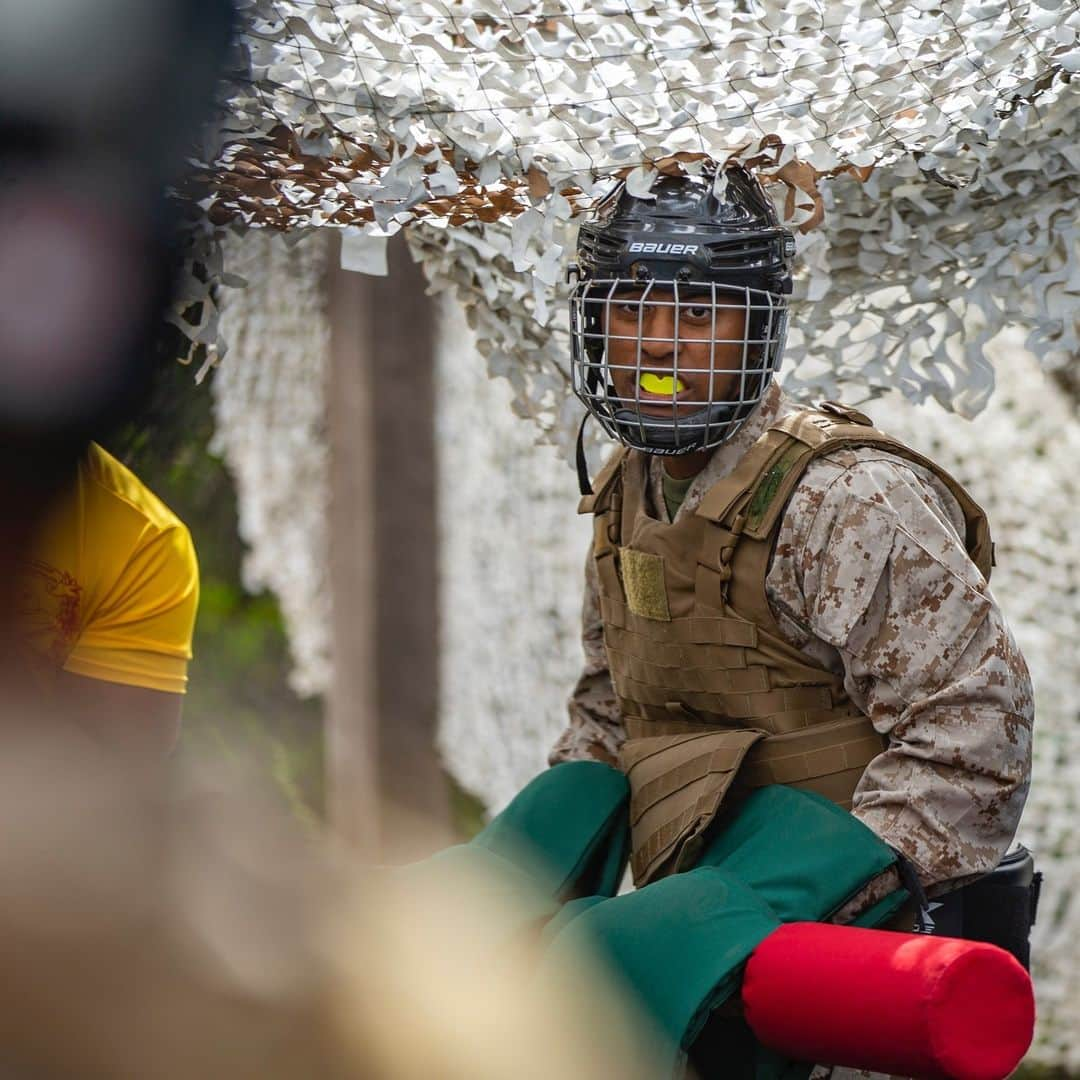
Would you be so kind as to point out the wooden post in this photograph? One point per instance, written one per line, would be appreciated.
(352, 746)
(402, 343)
(387, 788)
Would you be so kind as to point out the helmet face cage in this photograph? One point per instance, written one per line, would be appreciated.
(730, 381)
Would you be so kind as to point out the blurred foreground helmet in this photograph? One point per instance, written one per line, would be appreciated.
(679, 311)
(101, 105)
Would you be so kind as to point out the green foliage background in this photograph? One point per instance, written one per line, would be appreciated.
(239, 703)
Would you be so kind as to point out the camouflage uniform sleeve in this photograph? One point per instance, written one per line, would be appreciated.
(595, 730)
(869, 566)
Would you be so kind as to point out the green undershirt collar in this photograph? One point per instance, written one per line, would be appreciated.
(674, 492)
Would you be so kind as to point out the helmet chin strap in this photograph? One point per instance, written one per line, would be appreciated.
(722, 414)
(584, 484)
(662, 438)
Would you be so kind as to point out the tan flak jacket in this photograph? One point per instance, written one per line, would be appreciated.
(818, 615)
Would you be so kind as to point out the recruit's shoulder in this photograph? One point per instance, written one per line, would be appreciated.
(871, 558)
(891, 487)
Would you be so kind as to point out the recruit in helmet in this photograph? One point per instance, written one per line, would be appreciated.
(679, 311)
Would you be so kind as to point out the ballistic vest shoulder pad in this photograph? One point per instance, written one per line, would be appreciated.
(812, 434)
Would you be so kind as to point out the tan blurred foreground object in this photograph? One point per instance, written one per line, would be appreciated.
(156, 925)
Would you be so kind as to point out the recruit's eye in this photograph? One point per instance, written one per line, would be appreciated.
(697, 313)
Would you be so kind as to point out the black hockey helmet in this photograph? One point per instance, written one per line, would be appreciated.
(686, 244)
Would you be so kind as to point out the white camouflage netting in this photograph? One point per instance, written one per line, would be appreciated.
(905, 280)
(271, 429)
(485, 125)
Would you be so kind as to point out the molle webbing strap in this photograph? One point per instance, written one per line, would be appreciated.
(638, 728)
(748, 595)
(707, 680)
(606, 503)
(668, 656)
(654, 662)
(731, 704)
(828, 759)
(723, 759)
(705, 630)
(677, 784)
(635, 482)
(604, 555)
(664, 721)
(788, 759)
(709, 709)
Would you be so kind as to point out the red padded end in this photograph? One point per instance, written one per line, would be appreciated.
(906, 1004)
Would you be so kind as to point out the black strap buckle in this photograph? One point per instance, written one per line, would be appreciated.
(909, 878)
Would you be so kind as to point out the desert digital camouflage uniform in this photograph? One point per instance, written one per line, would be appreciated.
(870, 579)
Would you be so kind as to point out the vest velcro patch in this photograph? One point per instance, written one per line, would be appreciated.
(643, 581)
(769, 485)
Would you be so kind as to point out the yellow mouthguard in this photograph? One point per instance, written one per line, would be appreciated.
(661, 384)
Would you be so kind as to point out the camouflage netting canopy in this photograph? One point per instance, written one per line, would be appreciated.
(926, 151)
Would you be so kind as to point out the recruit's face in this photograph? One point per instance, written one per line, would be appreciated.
(704, 342)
